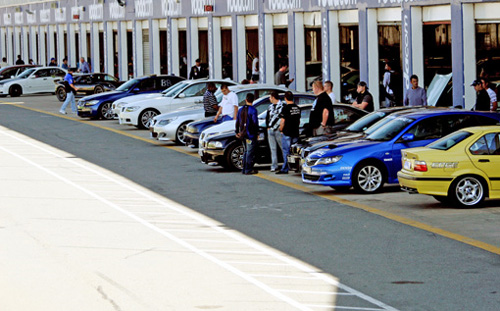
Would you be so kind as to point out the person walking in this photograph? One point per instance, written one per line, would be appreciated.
(4, 62)
(289, 126)
(279, 77)
(493, 96)
(329, 90)
(247, 129)
(228, 106)
(70, 92)
(482, 97)
(389, 93)
(321, 117)
(415, 96)
(65, 64)
(272, 125)
(209, 100)
(84, 66)
(364, 100)
(19, 61)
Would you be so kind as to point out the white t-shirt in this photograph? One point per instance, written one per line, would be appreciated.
(332, 96)
(493, 97)
(255, 70)
(228, 103)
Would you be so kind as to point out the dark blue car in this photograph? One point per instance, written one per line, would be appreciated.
(368, 163)
(99, 105)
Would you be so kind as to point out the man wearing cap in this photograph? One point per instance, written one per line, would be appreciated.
(364, 100)
(482, 97)
(52, 62)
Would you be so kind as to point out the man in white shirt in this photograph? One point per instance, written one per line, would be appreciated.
(228, 107)
(329, 90)
(491, 93)
(255, 68)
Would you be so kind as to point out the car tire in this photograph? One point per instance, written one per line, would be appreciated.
(180, 137)
(98, 89)
(61, 94)
(106, 112)
(145, 117)
(15, 91)
(368, 178)
(234, 156)
(467, 192)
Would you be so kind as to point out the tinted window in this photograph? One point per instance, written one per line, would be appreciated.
(304, 115)
(450, 140)
(147, 85)
(344, 115)
(429, 128)
(390, 129)
(42, 73)
(127, 85)
(7, 73)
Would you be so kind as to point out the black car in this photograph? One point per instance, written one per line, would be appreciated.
(87, 84)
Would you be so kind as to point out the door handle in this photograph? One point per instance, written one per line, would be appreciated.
(483, 160)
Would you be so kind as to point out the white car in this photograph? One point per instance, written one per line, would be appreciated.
(172, 126)
(32, 81)
(185, 93)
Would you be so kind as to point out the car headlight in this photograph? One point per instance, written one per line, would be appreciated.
(214, 144)
(132, 108)
(328, 160)
(91, 103)
(166, 121)
(192, 129)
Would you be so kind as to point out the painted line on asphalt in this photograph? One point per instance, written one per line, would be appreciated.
(12, 104)
(457, 237)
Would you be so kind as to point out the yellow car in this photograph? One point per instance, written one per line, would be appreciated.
(461, 169)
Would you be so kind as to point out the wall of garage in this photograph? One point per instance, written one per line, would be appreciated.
(318, 38)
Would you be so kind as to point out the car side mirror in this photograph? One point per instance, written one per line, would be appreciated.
(137, 90)
(12, 77)
(182, 95)
(33, 77)
(408, 137)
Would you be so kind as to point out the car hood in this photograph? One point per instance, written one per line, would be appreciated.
(186, 111)
(138, 97)
(343, 147)
(112, 95)
(150, 102)
(220, 128)
(5, 81)
(335, 142)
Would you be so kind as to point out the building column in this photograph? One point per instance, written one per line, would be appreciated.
(60, 44)
(154, 46)
(469, 35)
(10, 46)
(108, 49)
(193, 49)
(71, 48)
(266, 48)
(296, 51)
(83, 41)
(51, 42)
(95, 48)
(42, 55)
(25, 44)
(371, 30)
(138, 58)
(173, 46)
(417, 40)
(17, 42)
(457, 53)
(122, 51)
(239, 48)
(331, 51)
(33, 44)
(214, 48)
(3, 42)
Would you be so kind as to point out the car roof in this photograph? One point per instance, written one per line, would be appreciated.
(447, 111)
(256, 86)
(159, 76)
(483, 128)
(209, 80)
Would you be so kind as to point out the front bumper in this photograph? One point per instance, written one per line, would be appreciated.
(87, 111)
(337, 174)
(128, 118)
(210, 155)
(192, 139)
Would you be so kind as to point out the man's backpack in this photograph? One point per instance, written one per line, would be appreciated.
(242, 124)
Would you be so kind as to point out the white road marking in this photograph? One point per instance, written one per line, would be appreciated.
(314, 292)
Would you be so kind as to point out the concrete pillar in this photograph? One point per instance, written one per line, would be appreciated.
(61, 48)
(33, 45)
(25, 55)
(470, 71)
(71, 48)
(138, 59)
(173, 47)
(332, 38)
(296, 51)
(3, 42)
(214, 48)
(83, 41)
(372, 57)
(109, 59)
(17, 43)
(122, 51)
(42, 49)
(266, 49)
(193, 49)
(154, 46)
(239, 48)
(457, 54)
(51, 42)
(417, 40)
(95, 49)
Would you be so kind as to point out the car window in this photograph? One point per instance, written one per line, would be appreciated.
(365, 122)
(54, 72)
(26, 73)
(489, 144)
(390, 129)
(344, 115)
(109, 78)
(197, 89)
(242, 96)
(429, 128)
(304, 115)
(42, 73)
(263, 106)
(303, 100)
(264, 92)
(450, 140)
(7, 73)
(147, 85)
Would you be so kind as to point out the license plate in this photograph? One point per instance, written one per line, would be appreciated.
(307, 169)
(407, 165)
(291, 160)
(85, 109)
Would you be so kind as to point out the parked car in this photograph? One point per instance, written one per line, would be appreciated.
(32, 81)
(460, 169)
(99, 105)
(218, 144)
(87, 84)
(10, 72)
(194, 129)
(140, 112)
(368, 163)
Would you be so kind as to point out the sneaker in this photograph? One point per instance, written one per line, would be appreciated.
(281, 172)
(273, 170)
(62, 112)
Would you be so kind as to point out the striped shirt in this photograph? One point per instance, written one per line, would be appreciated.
(273, 115)
(209, 101)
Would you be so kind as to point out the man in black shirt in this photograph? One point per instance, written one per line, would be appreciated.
(321, 118)
(289, 126)
(364, 100)
(482, 97)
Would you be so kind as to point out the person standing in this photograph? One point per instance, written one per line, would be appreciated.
(84, 66)
(31, 62)
(53, 62)
(415, 96)
(364, 100)
(247, 129)
(329, 90)
(321, 118)
(65, 64)
(197, 71)
(70, 92)
(255, 69)
(228, 106)
(272, 125)
(289, 126)
(279, 77)
(19, 61)
(209, 100)
(389, 93)
(491, 93)
(482, 97)
(4, 62)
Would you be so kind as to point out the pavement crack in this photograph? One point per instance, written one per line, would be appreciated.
(139, 253)
(105, 297)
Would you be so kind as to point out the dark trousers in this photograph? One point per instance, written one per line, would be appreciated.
(249, 146)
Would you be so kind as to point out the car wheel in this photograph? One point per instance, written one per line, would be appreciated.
(180, 134)
(368, 178)
(98, 89)
(234, 157)
(15, 91)
(61, 94)
(145, 117)
(105, 111)
(467, 192)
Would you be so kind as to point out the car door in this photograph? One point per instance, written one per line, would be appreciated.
(37, 82)
(485, 155)
(190, 95)
(47, 84)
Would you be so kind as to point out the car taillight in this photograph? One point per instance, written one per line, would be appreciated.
(420, 166)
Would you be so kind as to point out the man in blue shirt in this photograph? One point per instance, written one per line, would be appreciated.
(84, 66)
(247, 129)
(70, 92)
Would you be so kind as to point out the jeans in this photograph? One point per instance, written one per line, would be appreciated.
(248, 158)
(226, 118)
(70, 97)
(274, 138)
(286, 142)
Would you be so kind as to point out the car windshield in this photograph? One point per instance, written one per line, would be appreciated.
(127, 85)
(366, 121)
(174, 89)
(450, 140)
(26, 74)
(389, 130)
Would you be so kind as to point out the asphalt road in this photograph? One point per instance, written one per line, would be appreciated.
(403, 266)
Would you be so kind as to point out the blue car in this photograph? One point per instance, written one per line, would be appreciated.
(368, 163)
(99, 105)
